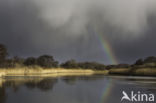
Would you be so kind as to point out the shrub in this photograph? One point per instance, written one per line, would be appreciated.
(30, 61)
(70, 64)
(139, 62)
(92, 65)
(122, 66)
(18, 60)
(47, 61)
(3, 53)
(150, 59)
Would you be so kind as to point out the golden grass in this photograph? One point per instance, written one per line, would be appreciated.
(56, 72)
(119, 71)
(29, 71)
(105, 72)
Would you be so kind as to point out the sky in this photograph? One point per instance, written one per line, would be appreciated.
(70, 29)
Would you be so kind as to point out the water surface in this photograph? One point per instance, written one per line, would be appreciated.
(72, 89)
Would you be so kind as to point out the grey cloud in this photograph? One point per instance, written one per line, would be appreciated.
(61, 28)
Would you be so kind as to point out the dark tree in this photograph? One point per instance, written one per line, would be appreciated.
(139, 62)
(122, 66)
(47, 61)
(92, 65)
(30, 61)
(70, 64)
(3, 53)
(110, 66)
(150, 59)
(18, 60)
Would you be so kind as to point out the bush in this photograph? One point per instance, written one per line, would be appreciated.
(150, 59)
(92, 65)
(30, 61)
(139, 62)
(3, 53)
(70, 64)
(110, 66)
(122, 66)
(18, 60)
(47, 61)
(83, 65)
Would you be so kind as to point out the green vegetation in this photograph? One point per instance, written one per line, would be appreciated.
(46, 63)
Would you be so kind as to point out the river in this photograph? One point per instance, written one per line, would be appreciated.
(76, 89)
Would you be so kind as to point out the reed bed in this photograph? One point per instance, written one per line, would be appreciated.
(30, 71)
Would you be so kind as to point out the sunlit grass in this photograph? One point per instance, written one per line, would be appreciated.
(55, 72)
(34, 71)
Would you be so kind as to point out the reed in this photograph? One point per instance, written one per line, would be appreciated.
(30, 71)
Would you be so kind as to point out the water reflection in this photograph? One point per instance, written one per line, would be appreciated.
(72, 89)
(71, 80)
(2, 95)
(44, 85)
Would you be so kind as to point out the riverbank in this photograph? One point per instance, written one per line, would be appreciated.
(54, 72)
(133, 71)
(25, 71)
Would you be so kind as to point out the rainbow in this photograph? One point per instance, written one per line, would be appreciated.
(106, 47)
(106, 91)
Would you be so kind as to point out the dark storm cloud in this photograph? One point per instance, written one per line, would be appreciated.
(61, 28)
(130, 50)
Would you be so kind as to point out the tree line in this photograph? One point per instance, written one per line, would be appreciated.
(47, 61)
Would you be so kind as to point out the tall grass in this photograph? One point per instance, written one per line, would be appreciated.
(19, 71)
